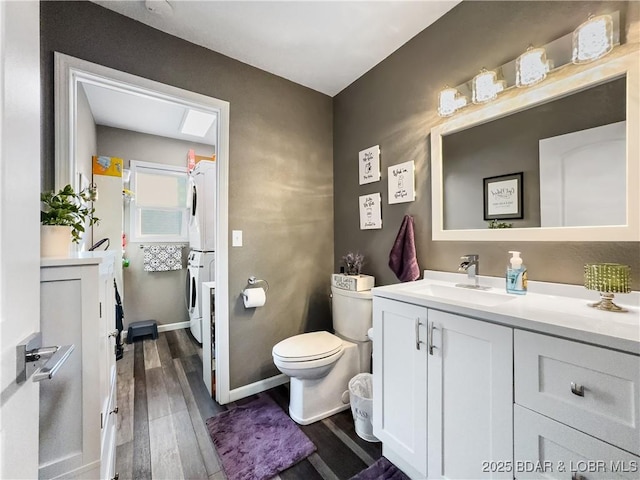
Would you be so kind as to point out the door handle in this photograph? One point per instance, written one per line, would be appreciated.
(430, 338)
(418, 342)
(30, 354)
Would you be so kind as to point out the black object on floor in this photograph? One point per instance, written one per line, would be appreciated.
(142, 328)
(382, 469)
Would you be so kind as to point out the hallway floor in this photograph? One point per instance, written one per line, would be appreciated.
(163, 405)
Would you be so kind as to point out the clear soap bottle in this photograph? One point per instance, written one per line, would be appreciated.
(516, 275)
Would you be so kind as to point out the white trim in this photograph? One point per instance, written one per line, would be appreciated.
(173, 326)
(163, 328)
(68, 72)
(568, 79)
(256, 387)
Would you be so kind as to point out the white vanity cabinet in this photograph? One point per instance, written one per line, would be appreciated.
(576, 404)
(77, 432)
(470, 400)
(442, 392)
(400, 383)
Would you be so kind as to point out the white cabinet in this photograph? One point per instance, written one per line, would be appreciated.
(400, 383)
(470, 372)
(578, 406)
(77, 307)
(442, 391)
(545, 448)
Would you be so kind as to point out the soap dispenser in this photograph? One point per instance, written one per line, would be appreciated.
(516, 275)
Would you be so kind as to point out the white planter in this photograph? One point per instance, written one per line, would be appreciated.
(55, 240)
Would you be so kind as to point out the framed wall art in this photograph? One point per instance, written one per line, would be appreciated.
(370, 216)
(503, 197)
(401, 180)
(369, 165)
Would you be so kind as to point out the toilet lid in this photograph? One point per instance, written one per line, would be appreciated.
(307, 346)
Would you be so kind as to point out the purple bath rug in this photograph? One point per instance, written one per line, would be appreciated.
(257, 440)
(381, 469)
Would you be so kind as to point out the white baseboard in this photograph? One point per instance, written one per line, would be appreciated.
(165, 328)
(257, 387)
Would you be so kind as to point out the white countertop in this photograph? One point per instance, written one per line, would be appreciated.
(555, 309)
(80, 258)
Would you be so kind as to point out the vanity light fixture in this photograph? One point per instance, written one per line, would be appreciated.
(531, 67)
(486, 86)
(450, 101)
(593, 39)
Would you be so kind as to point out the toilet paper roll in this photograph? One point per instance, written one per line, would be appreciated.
(254, 297)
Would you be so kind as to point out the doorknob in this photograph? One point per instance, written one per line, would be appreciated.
(30, 354)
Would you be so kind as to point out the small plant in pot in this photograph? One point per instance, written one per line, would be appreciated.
(63, 216)
(353, 263)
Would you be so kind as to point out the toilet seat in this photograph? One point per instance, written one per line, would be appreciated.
(307, 347)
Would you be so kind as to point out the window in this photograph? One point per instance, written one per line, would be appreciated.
(159, 210)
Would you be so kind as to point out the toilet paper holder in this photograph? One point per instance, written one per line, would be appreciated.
(255, 281)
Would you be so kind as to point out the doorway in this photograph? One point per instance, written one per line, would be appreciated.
(72, 75)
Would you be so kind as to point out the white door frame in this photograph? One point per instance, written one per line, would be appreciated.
(20, 119)
(69, 72)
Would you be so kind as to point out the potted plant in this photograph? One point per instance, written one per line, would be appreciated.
(63, 216)
(353, 262)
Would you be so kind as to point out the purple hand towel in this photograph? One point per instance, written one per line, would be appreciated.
(402, 258)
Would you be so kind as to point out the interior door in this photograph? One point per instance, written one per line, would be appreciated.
(19, 231)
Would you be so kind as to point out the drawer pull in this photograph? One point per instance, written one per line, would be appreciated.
(578, 390)
(577, 476)
(418, 341)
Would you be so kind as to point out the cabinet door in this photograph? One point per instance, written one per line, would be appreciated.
(470, 372)
(400, 381)
(547, 449)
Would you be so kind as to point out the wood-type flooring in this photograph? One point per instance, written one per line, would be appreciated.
(163, 405)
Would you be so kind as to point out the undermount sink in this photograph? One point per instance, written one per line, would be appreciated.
(464, 294)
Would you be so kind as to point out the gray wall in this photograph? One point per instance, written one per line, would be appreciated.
(156, 295)
(394, 105)
(280, 171)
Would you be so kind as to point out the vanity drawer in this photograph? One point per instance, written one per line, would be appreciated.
(544, 448)
(593, 389)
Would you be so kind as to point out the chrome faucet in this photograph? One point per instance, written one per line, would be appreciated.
(470, 264)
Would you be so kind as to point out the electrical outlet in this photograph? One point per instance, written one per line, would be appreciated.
(236, 238)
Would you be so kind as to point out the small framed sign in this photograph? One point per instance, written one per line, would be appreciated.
(370, 217)
(401, 179)
(503, 197)
(369, 165)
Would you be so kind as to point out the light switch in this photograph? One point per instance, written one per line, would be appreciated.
(236, 238)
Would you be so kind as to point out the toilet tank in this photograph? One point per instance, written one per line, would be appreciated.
(352, 313)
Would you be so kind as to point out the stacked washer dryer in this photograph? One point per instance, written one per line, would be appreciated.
(202, 240)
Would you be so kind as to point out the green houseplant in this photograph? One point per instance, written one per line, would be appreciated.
(63, 216)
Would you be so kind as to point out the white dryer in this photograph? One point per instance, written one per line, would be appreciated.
(200, 268)
(202, 220)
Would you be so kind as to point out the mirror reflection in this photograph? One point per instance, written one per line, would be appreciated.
(560, 147)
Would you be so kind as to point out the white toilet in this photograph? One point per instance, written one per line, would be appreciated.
(321, 364)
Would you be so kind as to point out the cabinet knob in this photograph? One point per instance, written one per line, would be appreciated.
(577, 389)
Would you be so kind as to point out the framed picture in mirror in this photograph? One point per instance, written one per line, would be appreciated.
(503, 197)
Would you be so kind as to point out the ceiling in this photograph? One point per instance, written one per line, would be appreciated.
(116, 108)
(323, 45)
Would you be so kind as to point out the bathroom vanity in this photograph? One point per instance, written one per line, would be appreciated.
(78, 404)
(481, 384)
